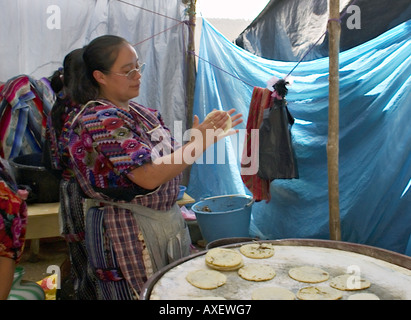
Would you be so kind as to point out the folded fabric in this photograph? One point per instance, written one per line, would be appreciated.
(24, 106)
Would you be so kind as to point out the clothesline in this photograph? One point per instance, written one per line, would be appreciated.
(186, 22)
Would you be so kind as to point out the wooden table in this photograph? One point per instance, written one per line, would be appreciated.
(186, 199)
(43, 222)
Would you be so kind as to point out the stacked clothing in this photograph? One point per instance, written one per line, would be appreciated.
(24, 106)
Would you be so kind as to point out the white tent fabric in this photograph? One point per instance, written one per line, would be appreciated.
(35, 35)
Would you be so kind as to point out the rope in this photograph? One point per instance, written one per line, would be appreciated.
(155, 35)
(186, 22)
(215, 66)
(153, 12)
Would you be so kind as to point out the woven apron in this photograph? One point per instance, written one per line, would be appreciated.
(165, 233)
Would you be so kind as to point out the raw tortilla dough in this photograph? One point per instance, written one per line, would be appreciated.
(318, 293)
(257, 250)
(308, 274)
(363, 296)
(272, 293)
(206, 279)
(228, 124)
(256, 272)
(349, 282)
(233, 268)
(223, 259)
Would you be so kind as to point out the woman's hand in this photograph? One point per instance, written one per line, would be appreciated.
(212, 128)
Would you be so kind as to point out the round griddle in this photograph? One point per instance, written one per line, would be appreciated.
(388, 272)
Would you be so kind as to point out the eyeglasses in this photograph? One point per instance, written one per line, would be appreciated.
(132, 73)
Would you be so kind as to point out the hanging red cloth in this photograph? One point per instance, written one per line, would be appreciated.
(260, 100)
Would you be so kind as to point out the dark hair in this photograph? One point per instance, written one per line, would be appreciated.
(62, 105)
(70, 65)
(100, 54)
(55, 81)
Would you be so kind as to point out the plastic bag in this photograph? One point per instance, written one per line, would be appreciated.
(276, 154)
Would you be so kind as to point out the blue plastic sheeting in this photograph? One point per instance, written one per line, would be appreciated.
(375, 139)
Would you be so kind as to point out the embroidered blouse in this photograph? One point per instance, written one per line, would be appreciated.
(106, 142)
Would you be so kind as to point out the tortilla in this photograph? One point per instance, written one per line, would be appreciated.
(308, 274)
(256, 272)
(272, 293)
(223, 259)
(233, 268)
(318, 293)
(257, 250)
(206, 279)
(363, 296)
(347, 282)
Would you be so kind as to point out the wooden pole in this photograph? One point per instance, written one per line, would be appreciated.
(190, 60)
(334, 31)
(191, 71)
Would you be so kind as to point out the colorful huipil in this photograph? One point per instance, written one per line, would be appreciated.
(13, 215)
(106, 143)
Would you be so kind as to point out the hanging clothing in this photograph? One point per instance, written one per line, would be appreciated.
(276, 153)
(273, 155)
(260, 188)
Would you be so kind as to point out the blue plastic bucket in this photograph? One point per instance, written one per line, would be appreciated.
(224, 216)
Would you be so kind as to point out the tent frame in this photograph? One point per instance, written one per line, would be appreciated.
(334, 31)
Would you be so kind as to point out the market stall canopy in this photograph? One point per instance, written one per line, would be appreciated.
(286, 29)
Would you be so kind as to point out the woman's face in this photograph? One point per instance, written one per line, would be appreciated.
(116, 85)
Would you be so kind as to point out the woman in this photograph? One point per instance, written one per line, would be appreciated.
(55, 158)
(13, 222)
(134, 183)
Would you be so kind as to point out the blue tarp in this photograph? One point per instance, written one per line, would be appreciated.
(375, 139)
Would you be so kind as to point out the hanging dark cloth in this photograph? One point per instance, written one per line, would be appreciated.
(276, 155)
